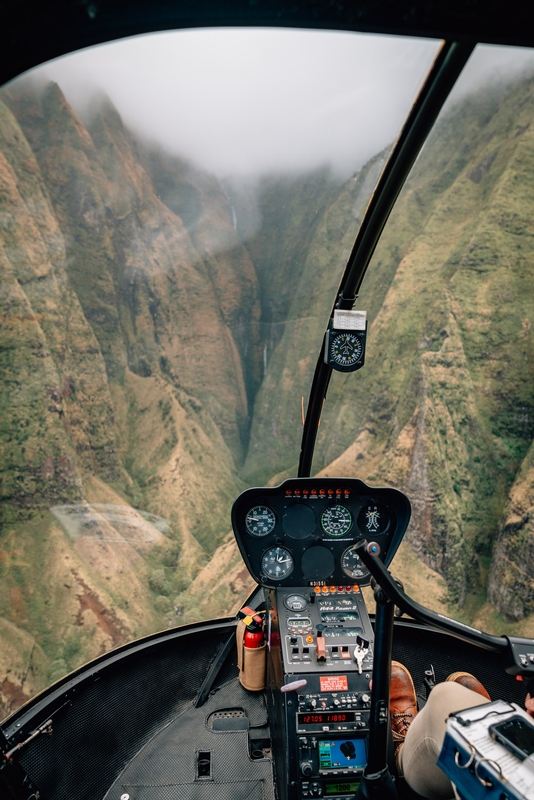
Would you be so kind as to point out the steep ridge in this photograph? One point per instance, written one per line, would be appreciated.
(136, 252)
(47, 332)
(107, 400)
(444, 408)
(454, 356)
(155, 359)
(277, 420)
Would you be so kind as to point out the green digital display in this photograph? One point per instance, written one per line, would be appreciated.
(342, 788)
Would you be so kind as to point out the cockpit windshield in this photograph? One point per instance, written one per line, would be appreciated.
(445, 412)
(176, 212)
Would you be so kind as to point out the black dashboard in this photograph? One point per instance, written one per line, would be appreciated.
(302, 532)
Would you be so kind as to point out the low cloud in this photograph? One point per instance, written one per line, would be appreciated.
(245, 102)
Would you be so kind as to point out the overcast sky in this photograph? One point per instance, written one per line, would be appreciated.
(248, 101)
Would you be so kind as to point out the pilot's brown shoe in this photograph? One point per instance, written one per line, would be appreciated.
(470, 682)
(403, 706)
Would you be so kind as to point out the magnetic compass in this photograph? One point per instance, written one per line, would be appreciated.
(344, 344)
(346, 349)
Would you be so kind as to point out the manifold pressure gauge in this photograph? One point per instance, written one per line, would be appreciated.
(345, 340)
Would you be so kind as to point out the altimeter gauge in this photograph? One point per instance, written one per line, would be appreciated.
(352, 565)
(336, 520)
(277, 563)
(260, 521)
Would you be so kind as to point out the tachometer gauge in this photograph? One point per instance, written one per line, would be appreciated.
(352, 565)
(336, 520)
(277, 563)
(373, 519)
(260, 521)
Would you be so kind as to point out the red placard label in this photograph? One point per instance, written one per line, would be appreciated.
(334, 683)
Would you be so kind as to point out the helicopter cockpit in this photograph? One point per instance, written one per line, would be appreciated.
(297, 540)
(305, 267)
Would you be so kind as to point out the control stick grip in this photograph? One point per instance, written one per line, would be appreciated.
(379, 572)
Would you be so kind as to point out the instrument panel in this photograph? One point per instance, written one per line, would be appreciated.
(302, 532)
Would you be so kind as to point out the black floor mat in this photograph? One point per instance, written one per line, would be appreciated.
(167, 768)
(419, 648)
(189, 760)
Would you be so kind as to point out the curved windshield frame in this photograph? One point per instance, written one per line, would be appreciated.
(442, 409)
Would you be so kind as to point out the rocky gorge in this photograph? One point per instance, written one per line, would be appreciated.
(155, 357)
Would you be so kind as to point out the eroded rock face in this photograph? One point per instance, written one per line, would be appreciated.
(511, 581)
(110, 397)
(147, 285)
(143, 339)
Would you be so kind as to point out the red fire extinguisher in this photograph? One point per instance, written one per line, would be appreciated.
(254, 635)
(253, 638)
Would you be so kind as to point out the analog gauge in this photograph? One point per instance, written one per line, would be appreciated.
(336, 520)
(277, 563)
(295, 602)
(260, 521)
(373, 519)
(352, 565)
(346, 349)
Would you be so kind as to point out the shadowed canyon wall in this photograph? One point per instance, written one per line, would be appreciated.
(159, 331)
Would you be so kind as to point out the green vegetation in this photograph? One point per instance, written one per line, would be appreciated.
(444, 407)
(155, 353)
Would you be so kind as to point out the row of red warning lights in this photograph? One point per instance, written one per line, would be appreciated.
(335, 589)
(317, 492)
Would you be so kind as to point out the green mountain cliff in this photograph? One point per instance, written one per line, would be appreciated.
(159, 332)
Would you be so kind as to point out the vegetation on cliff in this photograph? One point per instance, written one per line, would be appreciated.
(159, 331)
